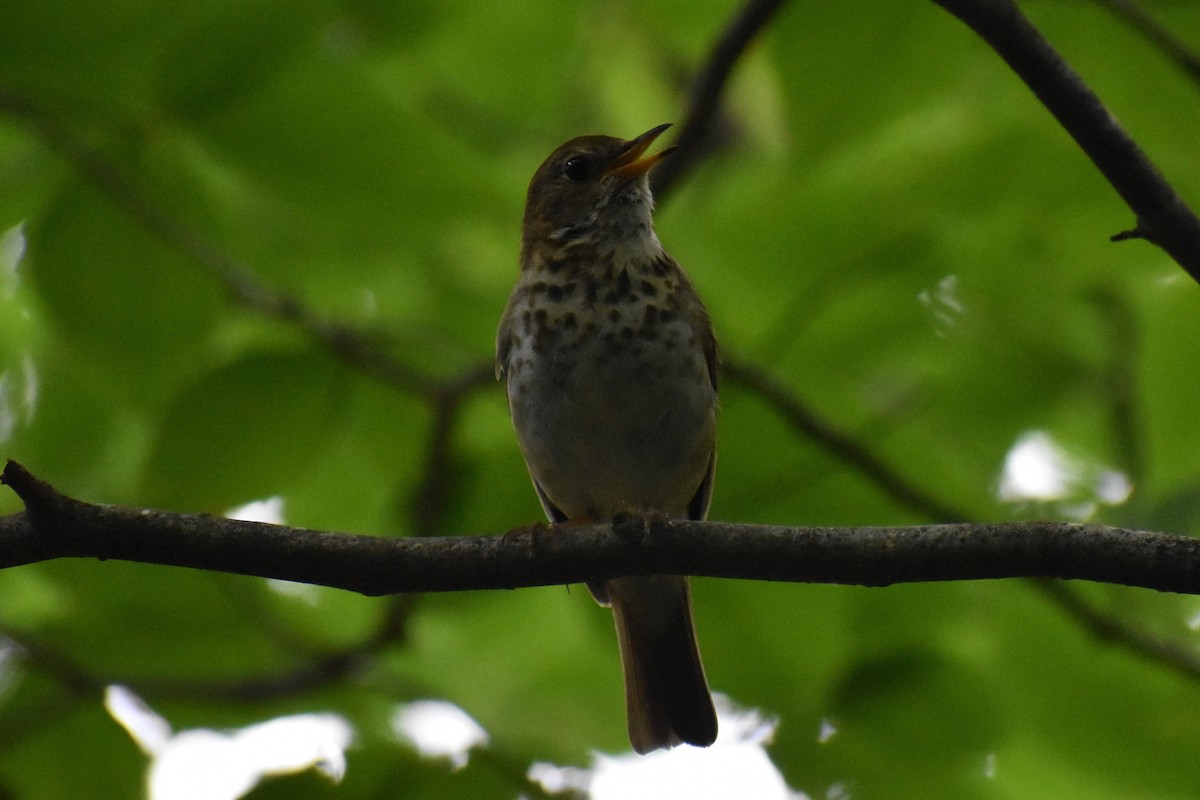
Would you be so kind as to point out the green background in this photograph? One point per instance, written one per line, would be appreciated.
(370, 158)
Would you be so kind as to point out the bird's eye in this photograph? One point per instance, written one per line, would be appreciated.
(577, 168)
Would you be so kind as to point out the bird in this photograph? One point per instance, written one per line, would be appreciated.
(610, 368)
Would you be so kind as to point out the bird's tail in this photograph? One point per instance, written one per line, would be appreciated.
(666, 693)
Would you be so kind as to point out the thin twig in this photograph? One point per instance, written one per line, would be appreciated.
(1141, 21)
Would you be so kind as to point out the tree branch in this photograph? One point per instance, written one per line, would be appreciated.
(704, 101)
(838, 444)
(241, 285)
(304, 675)
(56, 526)
(1162, 216)
(1164, 651)
(1169, 44)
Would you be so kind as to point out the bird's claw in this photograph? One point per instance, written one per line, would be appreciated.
(635, 524)
(527, 534)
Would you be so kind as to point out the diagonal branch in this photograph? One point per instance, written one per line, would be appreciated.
(1171, 653)
(1162, 216)
(1102, 624)
(838, 444)
(55, 526)
(704, 101)
(239, 282)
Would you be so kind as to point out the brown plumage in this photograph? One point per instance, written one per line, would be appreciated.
(609, 361)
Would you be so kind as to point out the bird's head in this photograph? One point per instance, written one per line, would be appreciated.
(593, 189)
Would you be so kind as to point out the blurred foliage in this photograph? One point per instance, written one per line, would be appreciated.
(894, 228)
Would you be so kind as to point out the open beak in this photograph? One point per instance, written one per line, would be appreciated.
(629, 164)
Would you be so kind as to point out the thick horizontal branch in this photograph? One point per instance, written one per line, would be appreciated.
(55, 526)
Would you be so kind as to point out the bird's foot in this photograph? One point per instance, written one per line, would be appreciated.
(527, 534)
(635, 524)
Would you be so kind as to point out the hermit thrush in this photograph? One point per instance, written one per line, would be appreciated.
(610, 366)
